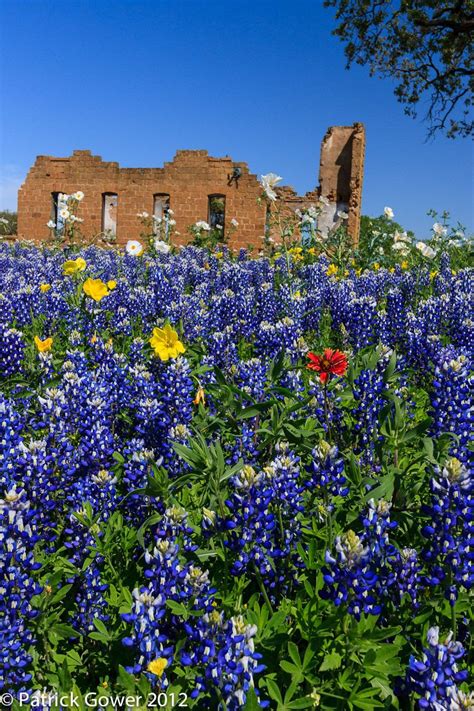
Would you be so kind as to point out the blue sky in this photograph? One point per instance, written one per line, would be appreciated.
(135, 80)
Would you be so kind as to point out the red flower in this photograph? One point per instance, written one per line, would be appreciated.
(330, 363)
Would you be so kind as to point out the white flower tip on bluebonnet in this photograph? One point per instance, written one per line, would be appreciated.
(432, 636)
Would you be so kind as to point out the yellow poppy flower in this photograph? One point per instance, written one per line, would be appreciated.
(165, 343)
(111, 284)
(73, 266)
(43, 346)
(45, 287)
(157, 666)
(95, 288)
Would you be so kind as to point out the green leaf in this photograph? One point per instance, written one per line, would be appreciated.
(331, 661)
(294, 654)
(64, 631)
(273, 690)
(251, 703)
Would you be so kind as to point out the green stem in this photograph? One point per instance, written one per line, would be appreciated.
(262, 589)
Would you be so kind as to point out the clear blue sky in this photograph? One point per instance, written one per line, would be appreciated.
(134, 80)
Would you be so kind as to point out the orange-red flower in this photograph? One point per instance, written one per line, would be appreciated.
(329, 363)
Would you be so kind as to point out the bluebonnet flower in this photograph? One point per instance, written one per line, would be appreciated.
(12, 349)
(450, 528)
(90, 600)
(362, 573)
(435, 678)
(452, 400)
(17, 587)
(263, 525)
(224, 653)
(326, 473)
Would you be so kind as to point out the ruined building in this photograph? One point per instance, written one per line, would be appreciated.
(194, 185)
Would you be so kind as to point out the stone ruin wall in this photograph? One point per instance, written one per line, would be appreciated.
(189, 180)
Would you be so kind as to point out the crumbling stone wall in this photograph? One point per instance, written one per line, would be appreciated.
(189, 179)
(341, 172)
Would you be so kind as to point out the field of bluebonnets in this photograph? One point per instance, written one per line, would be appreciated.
(237, 481)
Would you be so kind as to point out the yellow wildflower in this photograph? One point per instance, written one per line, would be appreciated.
(332, 269)
(165, 343)
(404, 264)
(43, 346)
(433, 274)
(219, 255)
(45, 287)
(157, 666)
(376, 266)
(111, 284)
(73, 266)
(95, 288)
(200, 396)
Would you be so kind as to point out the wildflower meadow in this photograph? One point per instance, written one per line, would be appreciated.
(236, 480)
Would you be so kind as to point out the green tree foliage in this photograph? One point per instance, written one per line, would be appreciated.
(425, 45)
